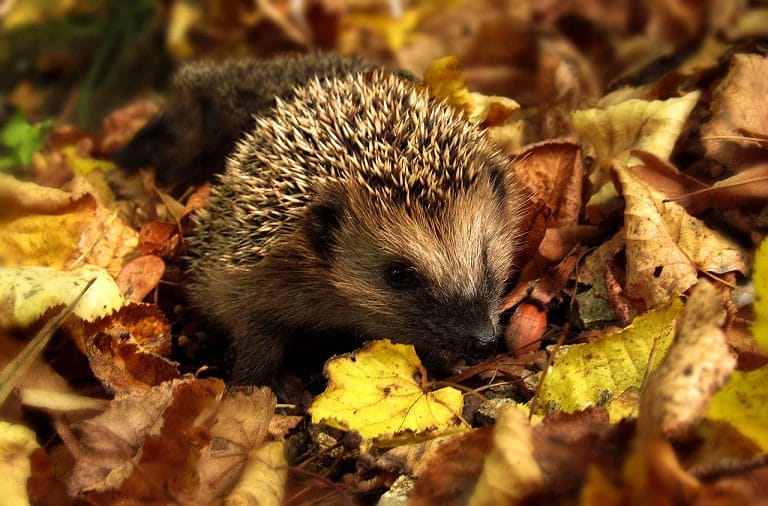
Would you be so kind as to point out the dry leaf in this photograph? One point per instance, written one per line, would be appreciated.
(16, 444)
(738, 106)
(126, 350)
(27, 293)
(140, 276)
(697, 364)
(451, 471)
(553, 172)
(59, 230)
(264, 477)
(510, 472)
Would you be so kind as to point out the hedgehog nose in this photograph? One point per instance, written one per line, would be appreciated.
(483, 340)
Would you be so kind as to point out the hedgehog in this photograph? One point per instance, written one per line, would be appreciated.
(357, 206)
(211, 105)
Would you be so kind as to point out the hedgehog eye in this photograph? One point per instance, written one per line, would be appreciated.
(400, 275)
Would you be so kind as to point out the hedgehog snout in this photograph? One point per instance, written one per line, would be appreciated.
(482, 341)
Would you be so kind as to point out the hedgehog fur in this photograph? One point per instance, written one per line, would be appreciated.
(212, 104)
(360, 207)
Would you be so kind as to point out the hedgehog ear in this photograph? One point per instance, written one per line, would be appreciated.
(322, 221)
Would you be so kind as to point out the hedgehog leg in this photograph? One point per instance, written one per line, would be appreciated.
(258, 357)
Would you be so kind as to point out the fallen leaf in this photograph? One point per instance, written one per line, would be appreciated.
(593, 373)
(140, 276)
(16, 445)
(445, 82)
(697, 364)
(553, 171)
(743, 403)
(263, 479)
(665, 247)
(738, 105)
(160, 238)
(510, 471)
(127, 349)
(58, 230)
(451, 471)
(26, 293)
(652, 126)
(760, 277)
(237, 452)
(185, 439)
(381, 392)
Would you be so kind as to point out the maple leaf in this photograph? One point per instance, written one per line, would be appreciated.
(380, 391)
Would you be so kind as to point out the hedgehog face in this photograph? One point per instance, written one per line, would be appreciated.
(432, 277)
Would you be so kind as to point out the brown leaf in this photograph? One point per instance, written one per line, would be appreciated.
(510, 473)
(452, 470)
(126, 349)
(140, 276)
(184, 441)
(738, 105)
(697, 364)
(554, 172)
(159, 238)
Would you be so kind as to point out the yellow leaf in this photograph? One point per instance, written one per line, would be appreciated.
(26, 293)
(42, 226)
(510, 471)
(381, 392)
(16, 444)
(760, 328)
(652, 126)
(743, 403)
(446, 82)
(589, 374)
(263, 479)
(83, 165)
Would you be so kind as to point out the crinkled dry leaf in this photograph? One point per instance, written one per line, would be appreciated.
(381, 392)
(510, 472)
(738, 110)
(592, 373)
(263, 479)
(652, 126)
(697, 364)
(554, 172)
(16, 444)
(451, 471)
(111, 443)
(238, 428)
(665, 247)
(60, 230)
(26, 293)
(127, 349)
(168, 442)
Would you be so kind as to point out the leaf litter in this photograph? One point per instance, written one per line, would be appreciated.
(636, 290)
